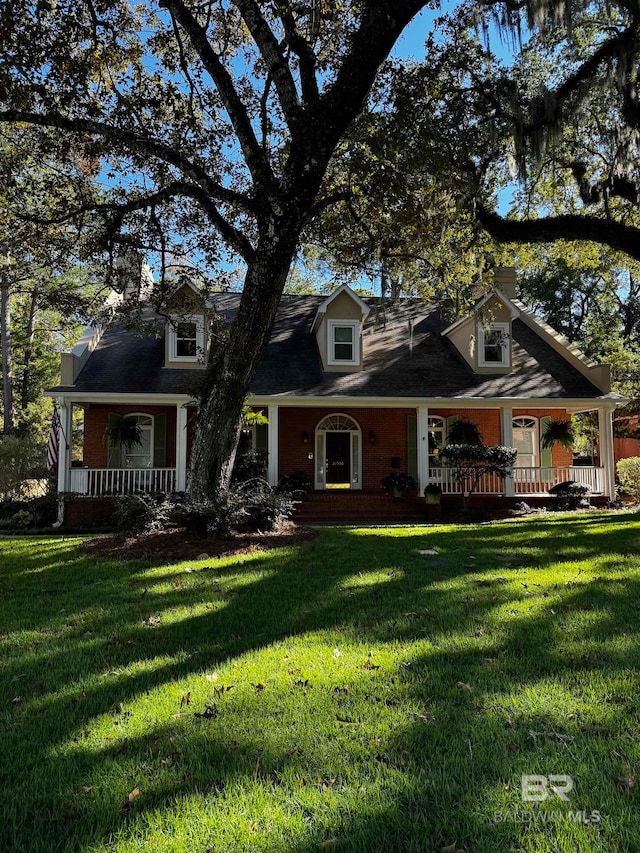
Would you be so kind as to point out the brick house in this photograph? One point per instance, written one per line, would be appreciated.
(353, 389)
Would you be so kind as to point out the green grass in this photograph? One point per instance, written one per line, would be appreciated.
(378, 746)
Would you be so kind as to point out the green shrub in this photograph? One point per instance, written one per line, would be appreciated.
(471, 462)
(21, 520)
(139, 512)
(252, 505)
(629, 475)
(42, 511)
(570, 495)
(296, 482)
(21, 458)
(249, 465)
(265, 508)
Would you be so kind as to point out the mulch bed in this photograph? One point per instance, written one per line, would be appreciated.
(177, 544)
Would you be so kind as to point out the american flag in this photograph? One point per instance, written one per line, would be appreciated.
(53, 446)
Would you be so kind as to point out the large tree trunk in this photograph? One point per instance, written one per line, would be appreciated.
(229, 376)
(28, 350)
(7, 369)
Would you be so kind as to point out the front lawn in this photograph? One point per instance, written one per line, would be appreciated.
(373, 689)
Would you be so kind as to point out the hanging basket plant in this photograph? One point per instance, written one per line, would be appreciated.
(463, 431)
(558, 432)
(123, 431)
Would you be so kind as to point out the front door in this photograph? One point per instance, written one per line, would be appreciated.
(338, 455)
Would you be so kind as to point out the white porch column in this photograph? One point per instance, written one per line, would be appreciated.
(64, 451)
(423, 447)
(605, 446)
(181, 448)
(272, 446)
(506, 431)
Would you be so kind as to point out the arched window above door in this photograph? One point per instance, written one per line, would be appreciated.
(338, 423)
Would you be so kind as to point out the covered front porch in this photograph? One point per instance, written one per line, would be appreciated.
(380, 439)
(94, 468)
(368, 442)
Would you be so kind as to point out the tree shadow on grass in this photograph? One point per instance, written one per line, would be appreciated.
(352, 586)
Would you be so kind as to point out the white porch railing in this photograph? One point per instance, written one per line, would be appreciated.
(490, 484)
(526, 481)
(532, 481)
(95, 482)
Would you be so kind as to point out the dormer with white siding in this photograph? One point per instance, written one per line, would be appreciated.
(338, 328)
(186, 334)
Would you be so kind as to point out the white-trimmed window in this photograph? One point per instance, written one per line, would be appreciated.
(436, 429)
(493, 345)
(186, 339)
(525, 440)
(140, 455)
(344, 342)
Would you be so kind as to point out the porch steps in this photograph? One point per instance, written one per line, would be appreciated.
(359, 507)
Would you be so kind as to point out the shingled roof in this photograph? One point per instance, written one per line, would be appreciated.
(405, 355)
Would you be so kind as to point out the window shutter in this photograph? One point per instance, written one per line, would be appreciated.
(160, 441)
(546, 453)
(412, 446)
(114, 451)
(450, 421)
(261, 438)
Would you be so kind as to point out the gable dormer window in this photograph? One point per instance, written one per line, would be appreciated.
(186, 340)
(493, 345)
(344, 342)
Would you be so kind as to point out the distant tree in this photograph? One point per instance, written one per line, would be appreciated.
(47, 289)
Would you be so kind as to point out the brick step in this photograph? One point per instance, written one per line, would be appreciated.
(354, 507)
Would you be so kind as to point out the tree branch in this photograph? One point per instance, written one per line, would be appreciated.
(302, 49)
(275, 61)
(382, 23)
(623, 238)
(122, 138)
(547, 108)
(177, 189)
(255, 158)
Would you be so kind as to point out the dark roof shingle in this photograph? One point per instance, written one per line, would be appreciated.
(398, 362)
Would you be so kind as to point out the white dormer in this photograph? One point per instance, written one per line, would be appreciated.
(186, 328)
(338, 329)
(484, 337)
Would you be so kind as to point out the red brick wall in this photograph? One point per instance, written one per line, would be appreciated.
(95, 423)
(89, 514)
(389, 426)
(487, 421)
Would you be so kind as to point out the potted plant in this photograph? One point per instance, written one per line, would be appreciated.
(463, 431)
(123, 431)
(433, 493)
(397, 483)
(558, 432)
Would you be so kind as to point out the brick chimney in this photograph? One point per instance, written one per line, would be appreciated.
(504, 279)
